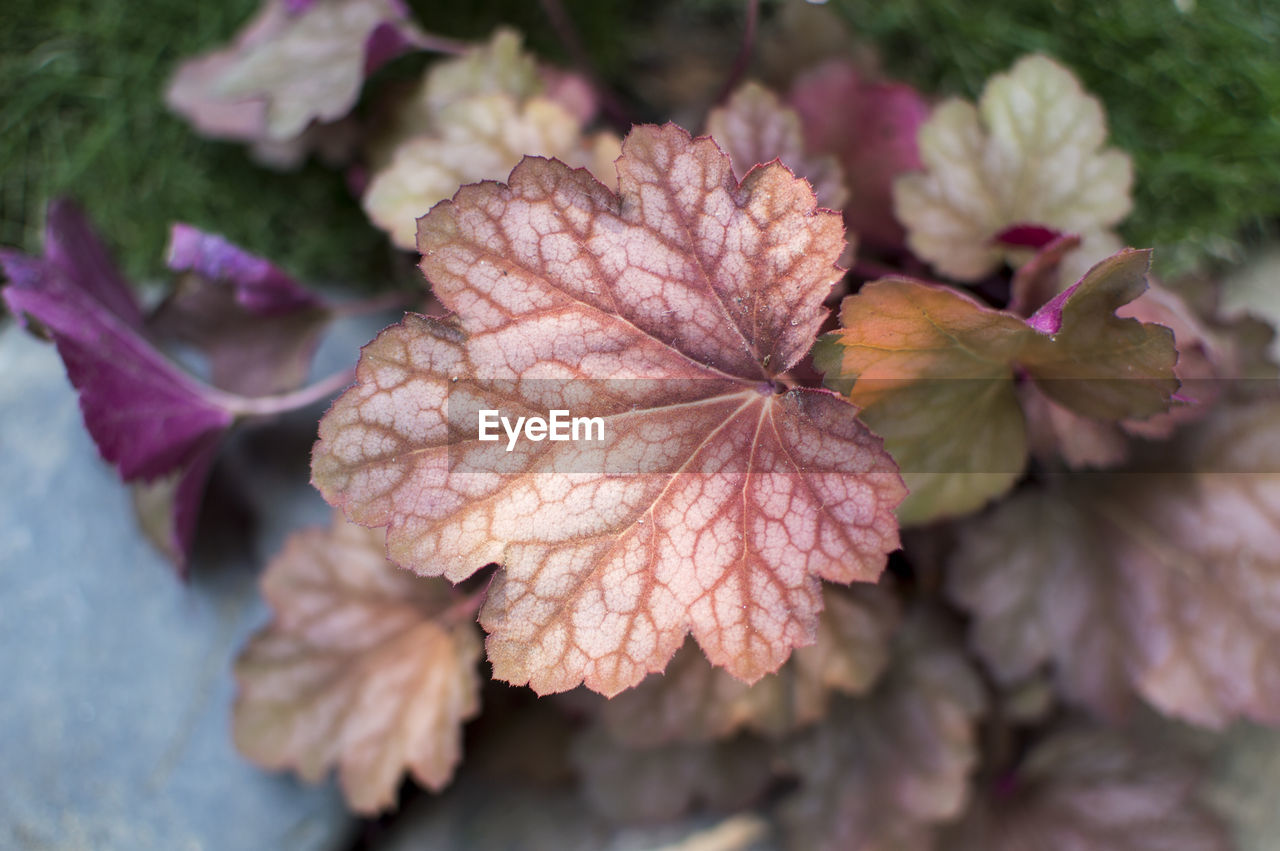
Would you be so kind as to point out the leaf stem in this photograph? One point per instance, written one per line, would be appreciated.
(744, 52)
(375, 304)
(266, 406)
(441, 44)
(568, 34)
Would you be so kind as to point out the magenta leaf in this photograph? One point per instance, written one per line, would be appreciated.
(870, 126)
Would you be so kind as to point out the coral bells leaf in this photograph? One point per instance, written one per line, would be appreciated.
(870, 126)
(672, 311)
(148, 417)
(1030, 153)
(472, 118)
(934, 372)
(1088, 788)
(881, 771)
(365, 666)
(755, 127)
(257, 326)
(692, 701)
(287, 81)
(1155, 584)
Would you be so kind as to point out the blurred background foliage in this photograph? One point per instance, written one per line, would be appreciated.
(1192, 90)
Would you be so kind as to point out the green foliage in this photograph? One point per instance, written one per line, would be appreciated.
(1194, 96)
(83, 114)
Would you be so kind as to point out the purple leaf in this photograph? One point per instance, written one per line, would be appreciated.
(258, 327)
(870, 126)
(71, 245)
(258, 285)
(148, 417)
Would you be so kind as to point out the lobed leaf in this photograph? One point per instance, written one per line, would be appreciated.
(754, 127)
(882, 771)
(692, 701)
(1092, 789)
(148, 417)
(481, 137)
(292, 75)
(472, 118)
(672, 311)
(1154, 584)
(364, 667)
(934, 369)
(870, 126)
(1030, 153)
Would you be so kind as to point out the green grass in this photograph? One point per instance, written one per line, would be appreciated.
(1194, 96)
(82, 115)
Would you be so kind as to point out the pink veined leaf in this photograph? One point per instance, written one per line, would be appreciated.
(365, 667)
(882, 771)
(718, 498)
(1092, 788)
(1153, 584)
(692, 701)
(870, 126)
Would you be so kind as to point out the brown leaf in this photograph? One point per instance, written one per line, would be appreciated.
(1159, 583)
(365, 666)
(1091, 789)
(660, 783)
(717, 498)
(882, 771)
(935, 370)
(692, 701)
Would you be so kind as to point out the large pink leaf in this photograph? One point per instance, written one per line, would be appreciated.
(672, 310)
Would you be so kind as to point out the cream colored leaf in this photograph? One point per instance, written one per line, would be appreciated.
(1030, 153)
(313, 67)
(365, 667)
(480, 138)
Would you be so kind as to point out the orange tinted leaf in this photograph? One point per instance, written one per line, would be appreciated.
(365, 666)
(715, 503)
(934, 372)
(692, 701)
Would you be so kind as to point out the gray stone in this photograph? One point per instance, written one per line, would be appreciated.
(115, 720)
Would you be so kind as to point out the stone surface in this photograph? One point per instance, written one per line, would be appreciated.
(115, 719)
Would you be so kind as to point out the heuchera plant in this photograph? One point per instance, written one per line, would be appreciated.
(843, 314)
